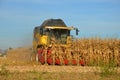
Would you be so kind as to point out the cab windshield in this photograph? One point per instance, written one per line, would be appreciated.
(57, 36)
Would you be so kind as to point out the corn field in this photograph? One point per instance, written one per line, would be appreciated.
(97, 51)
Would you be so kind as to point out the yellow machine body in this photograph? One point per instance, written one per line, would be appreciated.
(45, 39)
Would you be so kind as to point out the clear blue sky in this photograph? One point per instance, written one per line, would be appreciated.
(93, 18)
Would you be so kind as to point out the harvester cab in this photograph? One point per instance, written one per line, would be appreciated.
(51, 33)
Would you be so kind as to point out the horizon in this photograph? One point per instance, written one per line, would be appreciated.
(93, 18)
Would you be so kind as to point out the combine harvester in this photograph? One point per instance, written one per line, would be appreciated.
(52, 44)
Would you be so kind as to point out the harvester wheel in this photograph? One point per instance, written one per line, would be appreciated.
(33, 56)
(36, 57)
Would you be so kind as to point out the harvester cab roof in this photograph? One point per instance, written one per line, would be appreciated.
(55, 24)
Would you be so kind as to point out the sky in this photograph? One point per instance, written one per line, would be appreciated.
(92, 17)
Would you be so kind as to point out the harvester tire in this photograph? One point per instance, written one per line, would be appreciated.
(34, 57)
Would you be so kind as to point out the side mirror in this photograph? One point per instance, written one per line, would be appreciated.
(77, 31)
(41, 31)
